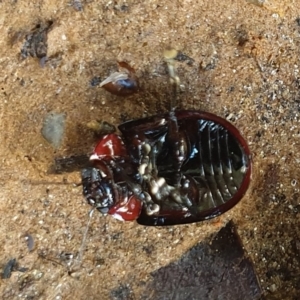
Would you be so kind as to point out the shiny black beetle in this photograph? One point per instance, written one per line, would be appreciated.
(181, 167)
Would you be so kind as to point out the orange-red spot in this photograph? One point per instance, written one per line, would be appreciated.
(128, 211)
(110, 145)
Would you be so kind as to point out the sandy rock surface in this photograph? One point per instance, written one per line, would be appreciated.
(243, 66)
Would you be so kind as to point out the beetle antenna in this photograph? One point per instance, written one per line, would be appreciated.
(78, 260)
(170, 55)
(76, 184)
(83, 243)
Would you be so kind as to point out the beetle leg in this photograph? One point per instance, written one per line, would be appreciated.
(148, 171)
(135, 187)
(170, 55)
(178, 146)
(137, 190)
(145, 165)
(151, 206)
(176, 138)
(148, 165)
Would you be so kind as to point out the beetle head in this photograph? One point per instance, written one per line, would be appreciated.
(98, 189)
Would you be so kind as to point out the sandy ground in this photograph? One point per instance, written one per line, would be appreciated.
(245, 67)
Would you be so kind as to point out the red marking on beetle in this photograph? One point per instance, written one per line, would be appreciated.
(127, 210)
(110, 145)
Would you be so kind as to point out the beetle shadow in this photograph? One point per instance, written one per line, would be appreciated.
(217, 268)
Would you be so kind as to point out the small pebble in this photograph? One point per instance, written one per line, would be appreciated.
(53, 128)
(30, 242)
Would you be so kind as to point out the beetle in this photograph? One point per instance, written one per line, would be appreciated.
(180, 167)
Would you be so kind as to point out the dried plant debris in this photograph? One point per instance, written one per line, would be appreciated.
(183, 57)
(215, 269)
(53, 128)
(70, 164)
(35, 44)
(11, 266)
(8, 268)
